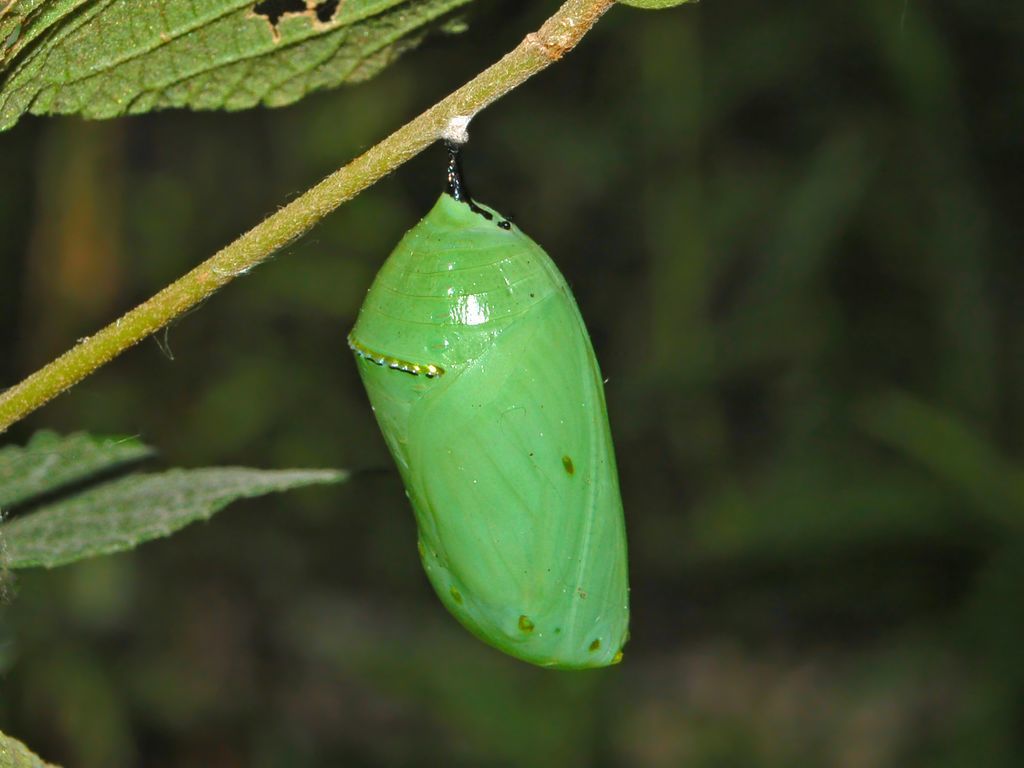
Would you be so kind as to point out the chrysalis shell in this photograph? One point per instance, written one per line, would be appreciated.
(486, 388)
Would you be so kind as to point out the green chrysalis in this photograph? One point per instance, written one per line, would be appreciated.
(484, 382)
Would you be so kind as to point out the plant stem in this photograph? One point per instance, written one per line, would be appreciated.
(538, 50)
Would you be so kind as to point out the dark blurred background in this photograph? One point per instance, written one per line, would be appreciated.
(794, 230)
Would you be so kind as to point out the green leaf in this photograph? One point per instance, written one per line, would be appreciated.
(102, 58)
(14, 754)
(124, 513)
(50, 462)
(653, 4)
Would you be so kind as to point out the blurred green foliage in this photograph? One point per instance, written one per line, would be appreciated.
(794, 230)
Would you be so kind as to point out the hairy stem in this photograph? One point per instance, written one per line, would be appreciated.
(556, 37)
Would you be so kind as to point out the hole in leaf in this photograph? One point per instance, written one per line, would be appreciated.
(273, 10)
(325, 11)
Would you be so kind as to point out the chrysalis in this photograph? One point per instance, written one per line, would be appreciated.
(485, 386)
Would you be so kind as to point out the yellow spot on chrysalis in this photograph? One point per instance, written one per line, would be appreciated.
(595, 646)
(525, 624)
(617, 657)
(567, 463)
(456, 595)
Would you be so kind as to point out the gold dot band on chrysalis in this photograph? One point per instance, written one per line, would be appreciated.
(426, 369)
